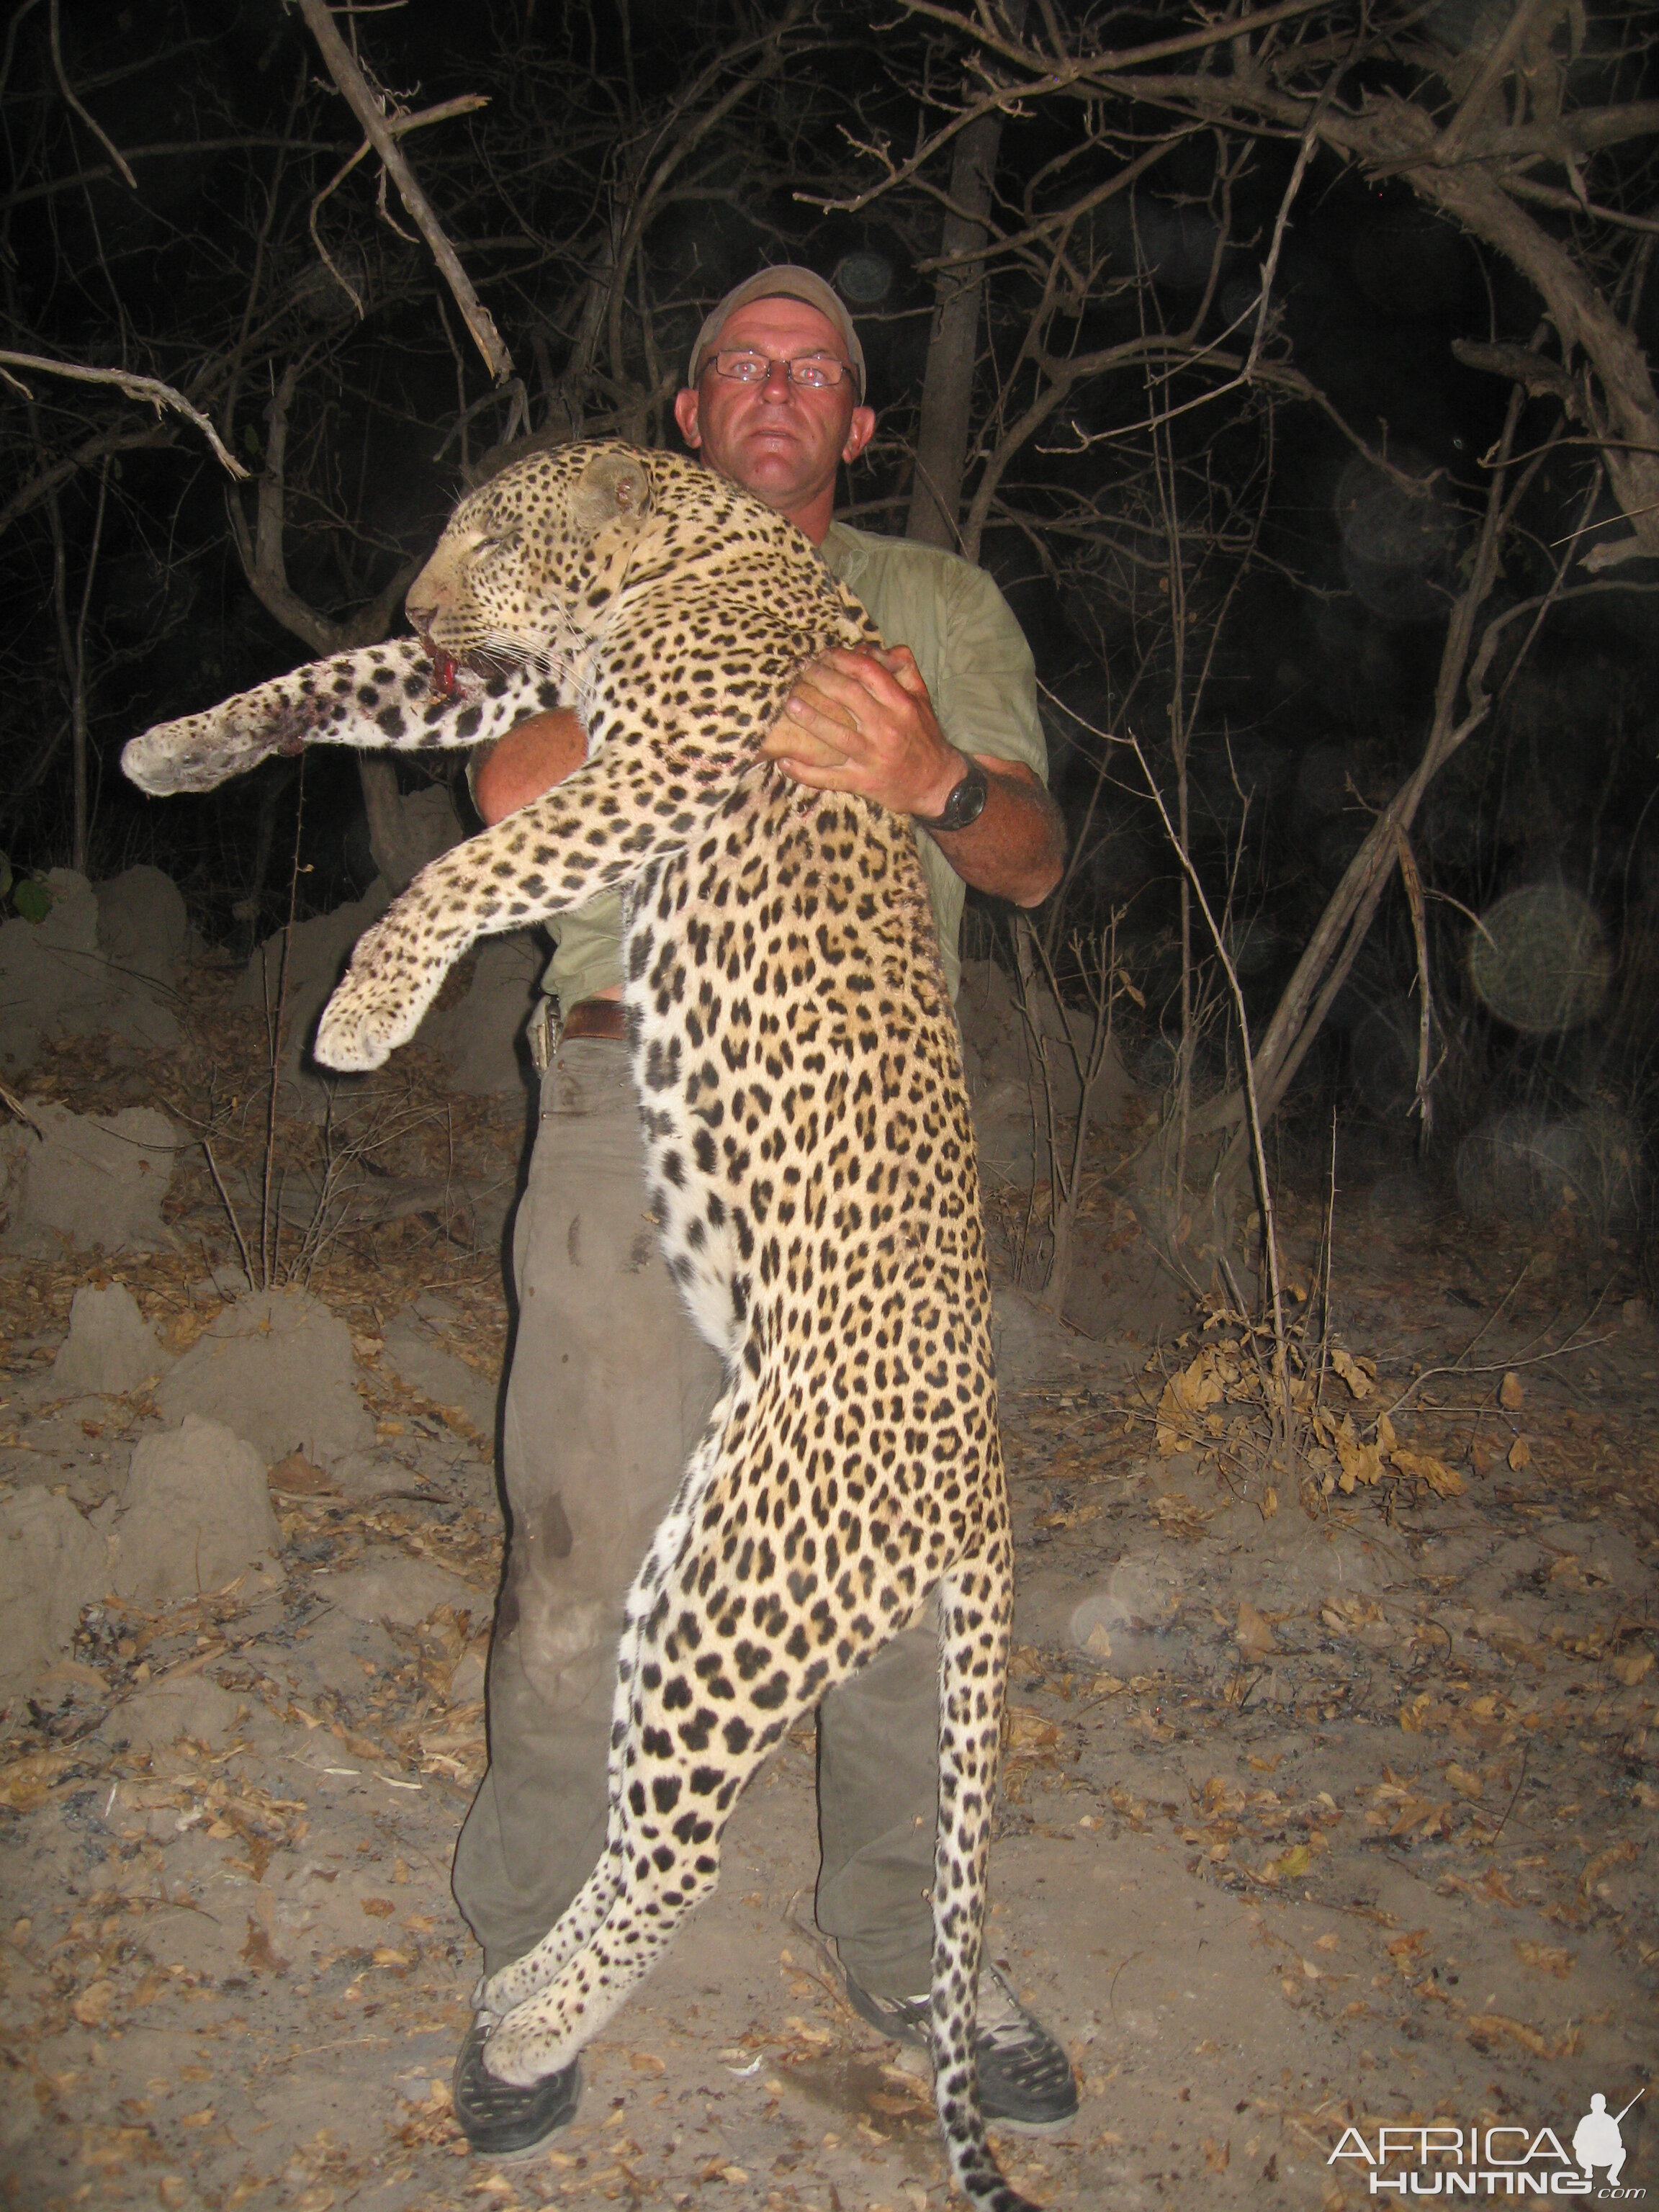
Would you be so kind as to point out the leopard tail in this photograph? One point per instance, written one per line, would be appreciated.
(976, 1614)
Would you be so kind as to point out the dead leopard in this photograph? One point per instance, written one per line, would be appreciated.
(809, 1151)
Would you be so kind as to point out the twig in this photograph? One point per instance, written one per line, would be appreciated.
(1413, 882)
(1325, 1301)
(1491, 1840)
(150, 388)
(1269, 1225)
(269, 1234)
(102, 136)
(235, 1225)
(1496, 1366)
(15, 1105)
(381, 135)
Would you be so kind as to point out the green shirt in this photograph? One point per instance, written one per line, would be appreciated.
(980, 676)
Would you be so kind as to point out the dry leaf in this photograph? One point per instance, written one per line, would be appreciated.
(24, 1783)
(1288, 1866)
(1632, 1668)
(1098, 1641)
(1519, 1454)
(1360, 1462)
(1548, 1959)
(1466, 1784)
(258, 1952)
(1491, 2024)
(1359, 1383)
(92, 2006)
(1510, 1392)
(1026, 1731)
(1255, 1632)
(1444, 1481)
(1269, 1502)
(1186, 1397)
(298, 1477)
(1620, 1854)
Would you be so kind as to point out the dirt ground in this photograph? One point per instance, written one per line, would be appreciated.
(1323, 1812)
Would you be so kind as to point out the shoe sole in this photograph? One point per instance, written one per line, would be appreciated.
(1031, 2127)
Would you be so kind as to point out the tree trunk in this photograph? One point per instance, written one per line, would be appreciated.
(947, 390)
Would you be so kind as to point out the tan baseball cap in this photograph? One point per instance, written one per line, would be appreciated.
(786, 282)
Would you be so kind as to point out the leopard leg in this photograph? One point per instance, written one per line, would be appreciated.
(694, 1748)
(380, 698)
(975, 1610)
(669, 1860)
(591, 833)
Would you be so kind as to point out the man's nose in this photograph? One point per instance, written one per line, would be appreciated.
(776, 384)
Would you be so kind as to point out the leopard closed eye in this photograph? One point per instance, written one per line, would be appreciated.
(809, 1151)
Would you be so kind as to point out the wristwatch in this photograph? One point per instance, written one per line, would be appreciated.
(966, 803)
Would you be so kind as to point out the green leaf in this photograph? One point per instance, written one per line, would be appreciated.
(32, 899)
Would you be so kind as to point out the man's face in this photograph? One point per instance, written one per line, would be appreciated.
(778, 439)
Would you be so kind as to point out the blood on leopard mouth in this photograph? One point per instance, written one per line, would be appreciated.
(446, 666)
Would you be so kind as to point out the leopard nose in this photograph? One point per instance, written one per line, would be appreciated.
(426, 600)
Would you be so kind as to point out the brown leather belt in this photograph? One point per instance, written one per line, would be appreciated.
(597, 1018)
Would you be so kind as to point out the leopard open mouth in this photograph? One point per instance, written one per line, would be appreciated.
(482, 661)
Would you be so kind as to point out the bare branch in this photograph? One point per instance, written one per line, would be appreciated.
(148, 388)
(102, 136)
(382, 136)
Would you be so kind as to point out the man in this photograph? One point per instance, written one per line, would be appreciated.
(610, 1386)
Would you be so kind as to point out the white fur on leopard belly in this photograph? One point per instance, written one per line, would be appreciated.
(808, 1146)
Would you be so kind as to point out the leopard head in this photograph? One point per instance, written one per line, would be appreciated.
(532, 559)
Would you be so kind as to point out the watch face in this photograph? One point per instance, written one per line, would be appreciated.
(967, 802)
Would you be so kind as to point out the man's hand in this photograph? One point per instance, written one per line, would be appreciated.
(863, 721)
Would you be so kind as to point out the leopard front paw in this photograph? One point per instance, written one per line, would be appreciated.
(199, 752)
(364, 1022)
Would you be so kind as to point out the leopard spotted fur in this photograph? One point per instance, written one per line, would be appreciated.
(809, 1150)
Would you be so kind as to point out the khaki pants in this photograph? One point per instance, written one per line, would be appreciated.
(609, 1388)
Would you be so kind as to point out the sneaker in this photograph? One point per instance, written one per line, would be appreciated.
(1024, 2077)
(501, 2121)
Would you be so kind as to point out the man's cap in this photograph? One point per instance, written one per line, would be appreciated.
(786, 282)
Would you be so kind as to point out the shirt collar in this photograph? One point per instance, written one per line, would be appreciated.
(844, 556)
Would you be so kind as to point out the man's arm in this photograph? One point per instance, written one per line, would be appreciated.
(854, 723)
(859, 721)
(528, 761)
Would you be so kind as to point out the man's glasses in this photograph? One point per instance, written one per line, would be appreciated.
(813, 371)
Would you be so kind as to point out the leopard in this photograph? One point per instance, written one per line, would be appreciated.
(810, 1156)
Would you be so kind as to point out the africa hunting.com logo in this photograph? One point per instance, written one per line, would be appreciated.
(1446, 2162)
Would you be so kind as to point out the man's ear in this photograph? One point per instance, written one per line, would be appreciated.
(859, 431)
(686, 414)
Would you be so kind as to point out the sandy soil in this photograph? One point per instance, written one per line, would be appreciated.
(1321, 1819)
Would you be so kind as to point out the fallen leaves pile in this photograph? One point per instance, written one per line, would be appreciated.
(1341, 1452)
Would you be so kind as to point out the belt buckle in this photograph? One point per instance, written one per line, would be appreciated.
(542, 1034)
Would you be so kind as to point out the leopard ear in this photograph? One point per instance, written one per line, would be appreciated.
(613, 486)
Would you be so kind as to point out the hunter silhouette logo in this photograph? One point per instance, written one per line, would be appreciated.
(1444, 2158)
(1596, 2140)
